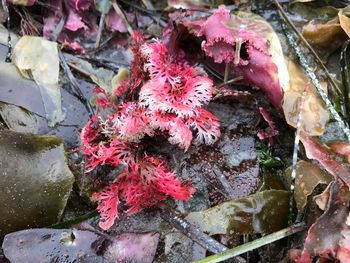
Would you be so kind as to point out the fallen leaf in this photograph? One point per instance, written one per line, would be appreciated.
(100, 76)
(308, 178)
(315, 115)
(322, 199)
(35, 181)
(37, 59)
(341, 148)
(18, 119)
(326, 37)
(72, 245)
(315, 150)
(263, 212)
(114, 22)
(325, 234)
(344, 19)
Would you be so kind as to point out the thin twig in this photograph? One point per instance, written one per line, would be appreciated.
(58, 28)
(295, 152)
(234, 252)
(229, 82)
(74, 84)
(283, 14)
(148, 4)
(161, 20)
(120, 13)
(193, 232)
(344, 60)
(100, 29)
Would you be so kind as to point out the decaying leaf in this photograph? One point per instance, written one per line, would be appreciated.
(37, 59)
(189, 4)
(18, 119)
(322, 199)
(314, 114)
(263, 212)
(315, 150)
(308, 177)
(344, 19)
(341, 148)
(325, 234)
(325, 37)
(100, 76)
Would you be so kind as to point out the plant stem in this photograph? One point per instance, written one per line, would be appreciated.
(77, 220)
(253, 244)
(100, 29)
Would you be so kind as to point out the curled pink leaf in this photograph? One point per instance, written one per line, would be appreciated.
(272, 131)
(219, 43)
(341, 148)
(315, 150)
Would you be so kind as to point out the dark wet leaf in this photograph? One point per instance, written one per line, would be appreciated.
(72, 245)
(15, 90)
(263, 212)
(35, 181)
(26, 94)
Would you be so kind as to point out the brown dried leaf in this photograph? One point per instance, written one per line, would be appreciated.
(344, 19)
(314, 114)
(308, 178)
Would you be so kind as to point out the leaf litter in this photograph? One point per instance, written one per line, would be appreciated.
(195, 116)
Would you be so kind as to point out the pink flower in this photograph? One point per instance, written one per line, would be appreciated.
(108, 201)
(232, 39)
(132, 123)
(168, 104)
(206, 125)
(142, 185)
